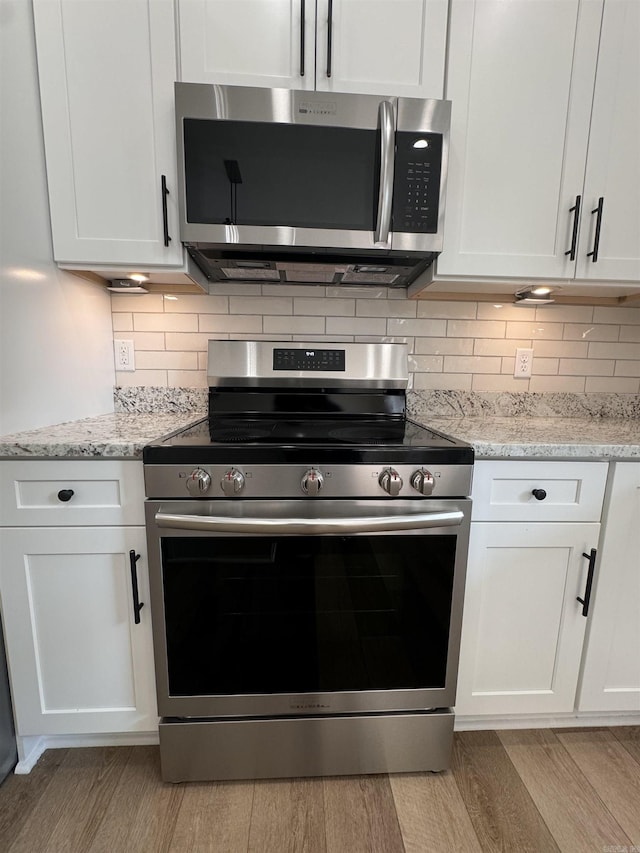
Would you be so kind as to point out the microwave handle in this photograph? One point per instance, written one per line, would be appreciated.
(385, 197)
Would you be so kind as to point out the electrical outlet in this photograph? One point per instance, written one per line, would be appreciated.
(124, 355)
(524, 359)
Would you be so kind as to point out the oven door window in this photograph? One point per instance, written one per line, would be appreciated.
(249, 173)
(306, 614)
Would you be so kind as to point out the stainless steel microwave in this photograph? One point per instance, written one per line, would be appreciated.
(282, 185)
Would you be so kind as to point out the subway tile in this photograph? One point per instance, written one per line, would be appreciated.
(436, 310)
(137, 302)
(630, 334)
(167, 360)
(147, 378)
(442, 381)
(539, 366)
(294, 325)
(329, 339)
(611, 350)
(165, 322)
(624, 316)
(444, 346)
(260, 305)
(627, 368)
(357, 325)
(254, 336)
(324, 307)
(505, 311)
(471, 364)
(385, 308)
(203, 360)
(143, 340)
(612, 385)
(586, 367)
(416, 328)
(499, 346)
(231, 323)
(385, 339)
(591, 332)
(187, 379)
(499, 382)
(560, 349)
(318, 291)
(426, 364)
(189, 303)
(538, 330)
(476, 329)
(185, 341)
(122, 322)
(565, 313)
(570, 384)
(235, 288)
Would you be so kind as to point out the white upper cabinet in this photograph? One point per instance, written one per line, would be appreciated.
(106, 70)
(394, 47)
(613, 162)
(522, 76)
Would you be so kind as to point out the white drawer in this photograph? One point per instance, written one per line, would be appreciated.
(105, 492)
(570, 491)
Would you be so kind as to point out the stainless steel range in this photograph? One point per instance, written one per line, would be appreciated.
(307, 553)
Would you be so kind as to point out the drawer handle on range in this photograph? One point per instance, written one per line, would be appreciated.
(539, 494)
(587, 592)
(311, 526)
(137, 604)
(65, 495)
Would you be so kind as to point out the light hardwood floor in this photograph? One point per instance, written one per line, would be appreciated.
(539, 790)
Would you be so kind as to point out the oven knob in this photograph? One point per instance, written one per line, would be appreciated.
(312, 481)
(232, 482)
(391, 481)
(422, 481)
(198, 482)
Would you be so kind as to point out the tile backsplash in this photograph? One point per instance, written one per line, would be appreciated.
(466, 346)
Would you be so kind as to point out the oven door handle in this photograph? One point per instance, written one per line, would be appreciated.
(310, 526)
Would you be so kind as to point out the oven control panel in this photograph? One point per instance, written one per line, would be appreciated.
(307, 481)
(308, 359)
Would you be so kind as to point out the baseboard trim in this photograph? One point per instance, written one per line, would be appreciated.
(31, 748)
(545, 721)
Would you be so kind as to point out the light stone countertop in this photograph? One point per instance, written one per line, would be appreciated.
(114, 436)
(123, 435)
(545, 437)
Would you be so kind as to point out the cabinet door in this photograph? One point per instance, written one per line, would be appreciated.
(613, 163)
(248, 42)
(611, 674)
(77, 661)
(386, 47)
(523, 629)
(106, 71)
(520, 76)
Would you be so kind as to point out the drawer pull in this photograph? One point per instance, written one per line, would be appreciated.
(65, 495)
(137, 604)
(539, 494)
(587, 592)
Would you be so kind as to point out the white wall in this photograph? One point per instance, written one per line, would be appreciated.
(56, 357)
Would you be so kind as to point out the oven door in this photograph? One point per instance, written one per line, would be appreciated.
(304, 607)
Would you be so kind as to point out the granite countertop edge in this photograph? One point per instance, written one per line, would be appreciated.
(124, 435)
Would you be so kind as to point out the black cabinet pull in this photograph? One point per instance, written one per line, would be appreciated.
(65, 495)
(329, 36)
(165, 218)
(302, 9)
(576, 222)
(137, 604)
(596, 240)
(587, 592)
(539, 494)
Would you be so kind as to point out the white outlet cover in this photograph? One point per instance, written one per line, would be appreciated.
(524, 359)
(124, 355)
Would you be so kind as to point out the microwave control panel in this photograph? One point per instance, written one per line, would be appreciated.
(416, 190)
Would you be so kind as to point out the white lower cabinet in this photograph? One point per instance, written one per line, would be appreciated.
(523, 628)
(611, 671)
(78, 662)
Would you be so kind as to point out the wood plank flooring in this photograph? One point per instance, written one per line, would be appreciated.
(539, 790)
